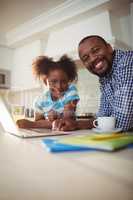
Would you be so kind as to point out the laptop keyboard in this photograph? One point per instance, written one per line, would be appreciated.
(40, 132)
(26, 132)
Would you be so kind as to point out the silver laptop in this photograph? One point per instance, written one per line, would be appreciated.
(10, 126)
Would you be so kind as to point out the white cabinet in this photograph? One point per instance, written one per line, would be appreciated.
(22, 77)
(6, 57)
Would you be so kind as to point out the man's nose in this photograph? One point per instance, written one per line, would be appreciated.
(92, 58)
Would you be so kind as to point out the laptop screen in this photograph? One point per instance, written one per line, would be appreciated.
(6, 118)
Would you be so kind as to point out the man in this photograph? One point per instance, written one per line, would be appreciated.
(115, 71)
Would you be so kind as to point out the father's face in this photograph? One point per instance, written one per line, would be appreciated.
(96, 56)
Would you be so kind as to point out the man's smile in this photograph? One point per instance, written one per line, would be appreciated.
(99, 65)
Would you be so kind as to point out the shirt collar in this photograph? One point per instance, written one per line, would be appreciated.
(109, 74)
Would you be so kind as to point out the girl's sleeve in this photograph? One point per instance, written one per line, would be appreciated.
(71, 94)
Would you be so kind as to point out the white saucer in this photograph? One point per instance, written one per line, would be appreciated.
(115, 130)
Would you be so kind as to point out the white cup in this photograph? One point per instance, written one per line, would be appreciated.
(105, 123)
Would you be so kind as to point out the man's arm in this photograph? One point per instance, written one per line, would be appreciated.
(123, 106)
(104, 108)
(71, 125)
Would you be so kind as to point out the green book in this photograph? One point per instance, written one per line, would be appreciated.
(108, 142)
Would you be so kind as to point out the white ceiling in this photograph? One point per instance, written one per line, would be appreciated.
(16, 12)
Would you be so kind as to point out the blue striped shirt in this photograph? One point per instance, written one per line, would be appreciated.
(44, 103)
(117, 90)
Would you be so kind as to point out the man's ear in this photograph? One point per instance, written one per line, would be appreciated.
(110, 49)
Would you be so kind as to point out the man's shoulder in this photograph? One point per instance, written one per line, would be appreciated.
(123, 66)
(123, 60)
(124, 57)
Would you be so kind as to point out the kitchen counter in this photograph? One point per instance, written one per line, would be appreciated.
(29, 172)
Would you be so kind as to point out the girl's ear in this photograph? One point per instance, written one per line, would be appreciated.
(43, 79)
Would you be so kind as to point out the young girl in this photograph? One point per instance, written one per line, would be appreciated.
(60, 100)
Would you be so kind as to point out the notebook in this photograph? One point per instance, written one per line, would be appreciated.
(10, 126)
(102, 142)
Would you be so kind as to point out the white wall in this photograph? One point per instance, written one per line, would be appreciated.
(22, 77)
(131, 22)
(6, 57)
(2, 39)
(121, 22)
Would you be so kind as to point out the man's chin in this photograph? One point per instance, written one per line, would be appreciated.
(101, 72)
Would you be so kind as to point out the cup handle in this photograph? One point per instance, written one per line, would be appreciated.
(94, 123)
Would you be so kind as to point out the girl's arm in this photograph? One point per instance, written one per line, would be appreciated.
(38, 116)
(27, 124)
(69, 110)
(40, 122)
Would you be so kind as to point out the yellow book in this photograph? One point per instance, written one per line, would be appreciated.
(109, 142)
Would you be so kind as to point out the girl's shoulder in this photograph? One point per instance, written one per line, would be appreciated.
(72, 87)
(71, 91)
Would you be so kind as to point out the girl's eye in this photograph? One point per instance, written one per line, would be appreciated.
(64, 82)
(84, 58)
(54, 82)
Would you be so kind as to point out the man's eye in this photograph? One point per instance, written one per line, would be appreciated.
(95, 50)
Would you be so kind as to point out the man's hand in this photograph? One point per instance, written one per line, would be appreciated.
(24, 123)
(71, 124)
(65, 125)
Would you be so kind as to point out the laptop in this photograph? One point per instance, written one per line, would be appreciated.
(10, 126)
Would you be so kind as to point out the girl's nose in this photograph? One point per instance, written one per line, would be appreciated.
(59, 85)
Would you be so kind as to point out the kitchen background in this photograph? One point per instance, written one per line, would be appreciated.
(31, 28)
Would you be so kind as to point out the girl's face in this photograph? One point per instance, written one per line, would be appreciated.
(58, 82)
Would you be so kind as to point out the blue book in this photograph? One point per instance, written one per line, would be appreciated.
(53, 146)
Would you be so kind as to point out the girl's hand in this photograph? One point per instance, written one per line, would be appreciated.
(65, 125)
(24, 123)
(52, 115)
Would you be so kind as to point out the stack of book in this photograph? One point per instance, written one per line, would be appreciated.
(102, 142)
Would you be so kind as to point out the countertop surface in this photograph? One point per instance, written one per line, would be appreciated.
(29, 172)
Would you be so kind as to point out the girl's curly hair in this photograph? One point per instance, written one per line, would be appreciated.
(43, 65)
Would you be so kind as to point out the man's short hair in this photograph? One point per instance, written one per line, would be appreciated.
(93, 36)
